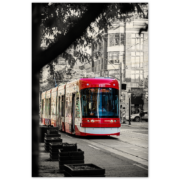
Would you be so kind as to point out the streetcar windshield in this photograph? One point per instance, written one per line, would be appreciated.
(100, 102)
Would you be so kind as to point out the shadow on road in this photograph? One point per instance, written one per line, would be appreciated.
(89, 137)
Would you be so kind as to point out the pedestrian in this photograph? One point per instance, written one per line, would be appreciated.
(140, 114)
(124, 115)
(121, 119)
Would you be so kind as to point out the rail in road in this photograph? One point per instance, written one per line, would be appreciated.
(131, 145)
(118, 157)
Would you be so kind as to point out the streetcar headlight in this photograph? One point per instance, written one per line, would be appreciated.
(92, 120)
(88, 120)
(114, 120)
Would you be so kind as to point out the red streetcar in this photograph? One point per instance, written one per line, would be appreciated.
(88, 106)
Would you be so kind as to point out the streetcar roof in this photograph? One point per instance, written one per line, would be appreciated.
(98, 82)
(93, 81)
(96, 78)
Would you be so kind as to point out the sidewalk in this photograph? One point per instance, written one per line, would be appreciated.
(143, 124)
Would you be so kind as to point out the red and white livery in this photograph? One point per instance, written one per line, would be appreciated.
(85, 107)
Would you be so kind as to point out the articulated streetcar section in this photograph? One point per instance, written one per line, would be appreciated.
(85, 107)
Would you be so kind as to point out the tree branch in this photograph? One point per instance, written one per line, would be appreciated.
(44, 57)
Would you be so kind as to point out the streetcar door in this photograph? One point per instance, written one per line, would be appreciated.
(49, 123)
(58, 113)
(62, 113)
(73, 113)
(42, 111)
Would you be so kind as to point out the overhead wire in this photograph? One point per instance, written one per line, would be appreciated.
(119, 53)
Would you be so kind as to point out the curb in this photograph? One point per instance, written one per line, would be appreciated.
(135, 125)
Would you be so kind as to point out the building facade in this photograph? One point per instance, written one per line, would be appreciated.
(123, 44)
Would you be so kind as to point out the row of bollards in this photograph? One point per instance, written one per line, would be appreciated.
(51, 136)
(83, 170)
(69, 154)
(70, 158)
(54, 150)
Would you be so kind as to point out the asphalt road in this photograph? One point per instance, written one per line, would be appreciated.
(121, 156)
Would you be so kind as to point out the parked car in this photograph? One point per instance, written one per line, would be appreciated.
(145, 116)
(136, 117)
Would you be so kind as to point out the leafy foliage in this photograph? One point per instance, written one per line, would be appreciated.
(59, 18)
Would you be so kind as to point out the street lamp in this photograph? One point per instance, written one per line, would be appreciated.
(121, 98)
(129, 95)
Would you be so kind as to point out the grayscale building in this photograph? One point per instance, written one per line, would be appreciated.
(122, 43)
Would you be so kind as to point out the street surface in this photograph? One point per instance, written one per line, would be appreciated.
(123, 156)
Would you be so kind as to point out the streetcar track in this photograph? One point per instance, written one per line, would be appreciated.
(134, 144)
(136, 138)
(103, 148)
(68, 136)
(140, 166)
(134, 149)
(140, 138)
(135, 133)
(94, 147)
(145, 152)
(139, 150)
(130, 154)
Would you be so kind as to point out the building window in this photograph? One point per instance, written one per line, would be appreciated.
(95, 47)
(137, 41)
(122, 39)
(137, 59)
(100, 46)
(113, 39)
(116, 39)
(136, 75)
(122, 57)
(42, 105)
(115, 57)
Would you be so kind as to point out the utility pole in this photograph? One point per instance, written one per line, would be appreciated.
(55, 81)
(120, 79)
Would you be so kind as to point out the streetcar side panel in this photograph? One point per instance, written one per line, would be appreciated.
(48, 108)
(43, 108)
(46, 115)
(78, 115)
(61, 107)
(53, 107)
(70, 107)
(58, 112)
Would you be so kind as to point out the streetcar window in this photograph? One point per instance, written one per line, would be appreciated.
(100, 102)
(62, 106)
(42, 105)
(49, 106)
(90, 103)
(46, 107)
(56, 106)
(77, 106)
(59, 106)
